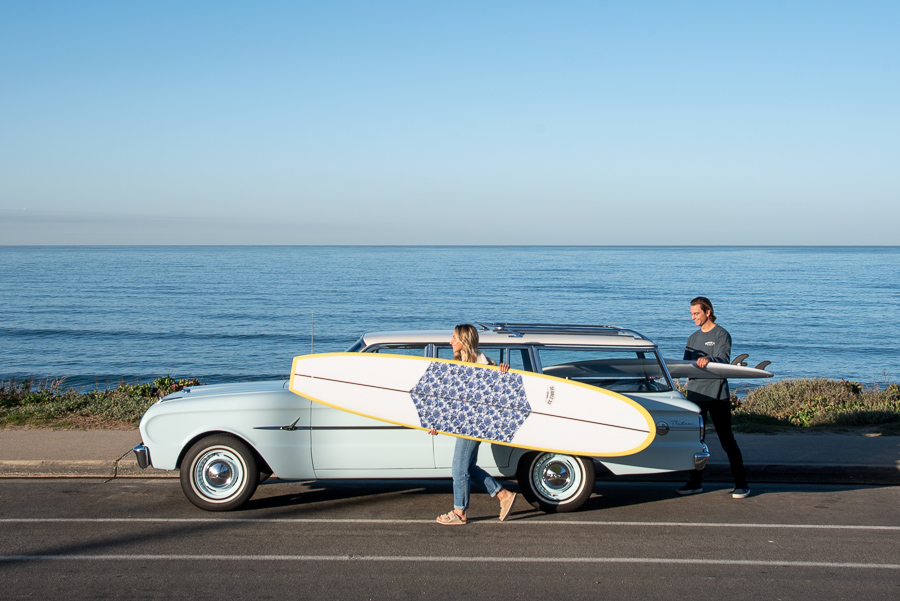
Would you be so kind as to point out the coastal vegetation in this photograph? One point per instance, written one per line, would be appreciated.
(786, 405)
(818, 403)
(50, 404)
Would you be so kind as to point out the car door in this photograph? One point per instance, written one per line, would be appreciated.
(360, 446)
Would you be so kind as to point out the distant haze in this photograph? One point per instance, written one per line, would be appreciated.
(586, 123)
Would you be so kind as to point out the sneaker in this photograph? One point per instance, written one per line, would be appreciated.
(689, 489)
(740, 493)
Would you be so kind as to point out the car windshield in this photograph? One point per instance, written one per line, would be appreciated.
(619, 370)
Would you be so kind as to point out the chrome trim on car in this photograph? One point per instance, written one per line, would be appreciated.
(519, 330)
(142, 454)
(678, 425)
(700, 459)
(293, 427)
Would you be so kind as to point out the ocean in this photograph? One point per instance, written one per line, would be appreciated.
(101, 315)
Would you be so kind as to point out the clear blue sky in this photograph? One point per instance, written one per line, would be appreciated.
(450, 123)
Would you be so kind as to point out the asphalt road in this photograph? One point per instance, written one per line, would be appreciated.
(140, 539)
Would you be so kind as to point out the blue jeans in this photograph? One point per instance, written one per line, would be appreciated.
(464, 470)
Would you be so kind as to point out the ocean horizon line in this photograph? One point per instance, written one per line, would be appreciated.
(580, 246)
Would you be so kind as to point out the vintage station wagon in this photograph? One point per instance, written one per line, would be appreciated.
(226, 439)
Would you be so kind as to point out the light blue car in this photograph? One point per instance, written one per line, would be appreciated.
(228, 438)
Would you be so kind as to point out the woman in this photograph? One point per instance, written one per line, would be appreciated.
(465, 348)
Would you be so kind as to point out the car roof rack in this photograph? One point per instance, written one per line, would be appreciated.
(518, 330)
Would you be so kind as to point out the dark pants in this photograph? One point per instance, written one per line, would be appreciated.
(720, 412)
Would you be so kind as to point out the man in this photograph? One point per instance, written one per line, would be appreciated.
(712, 343)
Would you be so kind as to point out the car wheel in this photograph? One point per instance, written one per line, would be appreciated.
(556, 483)
(219, 473)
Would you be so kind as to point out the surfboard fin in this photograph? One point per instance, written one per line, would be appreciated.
(763, 365)
(739, 360)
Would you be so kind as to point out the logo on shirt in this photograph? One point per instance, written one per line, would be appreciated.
(710, 343)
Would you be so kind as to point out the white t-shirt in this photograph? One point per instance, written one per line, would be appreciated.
(482, 359)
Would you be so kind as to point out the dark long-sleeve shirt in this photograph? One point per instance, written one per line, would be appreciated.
(715, 344)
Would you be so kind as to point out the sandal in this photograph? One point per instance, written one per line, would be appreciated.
(451, 519)
(506, 506)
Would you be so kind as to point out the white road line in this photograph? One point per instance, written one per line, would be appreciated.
(507, 524)
(466, 559)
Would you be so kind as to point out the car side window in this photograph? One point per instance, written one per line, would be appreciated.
(443, 352)
(415, 350)
(518, 358)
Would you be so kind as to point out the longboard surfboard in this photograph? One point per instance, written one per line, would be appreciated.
(520, 409)
(689, 369)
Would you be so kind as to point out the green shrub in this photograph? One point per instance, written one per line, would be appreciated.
(819, 402)
(48, 402)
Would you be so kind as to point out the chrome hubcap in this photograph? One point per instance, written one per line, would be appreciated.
(218, 474)
(557, 478)
(556, 475)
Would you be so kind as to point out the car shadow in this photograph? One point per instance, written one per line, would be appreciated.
(271, 493)
(369, 495)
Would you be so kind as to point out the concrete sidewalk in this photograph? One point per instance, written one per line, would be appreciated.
(72, 454)
(808, 457)
(802, 457)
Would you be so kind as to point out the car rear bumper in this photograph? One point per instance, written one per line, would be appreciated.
(701, 458)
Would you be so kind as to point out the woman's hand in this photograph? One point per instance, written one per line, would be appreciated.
(504, 367)
(433, 432)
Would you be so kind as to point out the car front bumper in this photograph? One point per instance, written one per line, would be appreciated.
(142, 454)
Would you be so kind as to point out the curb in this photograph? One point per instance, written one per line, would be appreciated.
(79, 469)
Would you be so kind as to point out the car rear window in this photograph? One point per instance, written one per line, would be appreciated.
(616, 370)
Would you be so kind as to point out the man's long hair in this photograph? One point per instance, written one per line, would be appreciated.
(705, 304)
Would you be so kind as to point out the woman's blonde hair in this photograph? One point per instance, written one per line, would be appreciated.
(468, 337)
